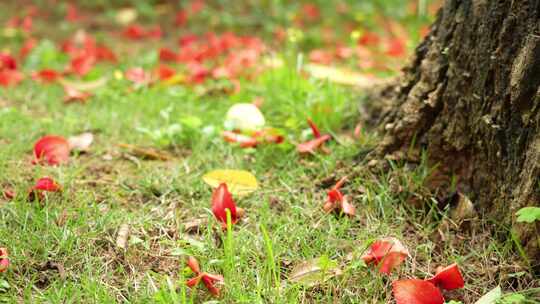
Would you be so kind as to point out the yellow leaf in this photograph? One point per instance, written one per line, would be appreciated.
(239, 182)
(173, 80)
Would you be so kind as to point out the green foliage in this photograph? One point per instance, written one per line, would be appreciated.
(528, 214)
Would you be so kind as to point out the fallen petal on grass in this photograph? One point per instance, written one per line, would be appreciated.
(448, 278)
(4, 259)
(209, 280)
(221, 201)
(387, 254)
(414, 291)
(51, 150)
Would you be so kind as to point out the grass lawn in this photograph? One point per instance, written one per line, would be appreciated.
(63, 249)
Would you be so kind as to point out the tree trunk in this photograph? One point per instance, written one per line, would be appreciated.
(471, 97)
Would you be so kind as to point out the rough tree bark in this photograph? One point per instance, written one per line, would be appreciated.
(471, 97)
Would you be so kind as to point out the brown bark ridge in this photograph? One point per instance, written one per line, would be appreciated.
(471, 97)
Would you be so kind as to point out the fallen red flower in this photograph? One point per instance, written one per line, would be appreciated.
(52, 150)
(448, 278)
(8, 194)
(10, 77)
(138, 76)
(44, 184)
(134, 32)
(414, 291)
(209, 280)
(46, 75)
(72, 13)
(74, 95)
(396, 48)
(337, 201)
(181, 18)
(314, 128)
(244, 140)
(164, 72)
(82, 64)
(4, 259)
(221, 201)
(28, 45)
(321, 57)
(312, 145)
(167, 55)
(137, 32)
(267, 135)
(7, 62)
(387, 253)
(369, 39)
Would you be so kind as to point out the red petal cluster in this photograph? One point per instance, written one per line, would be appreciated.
(44, 184)
(137, 32)
(387, 254)
(415, 291)
(209, 280)
(51, 150)
(313, 145)
(4, 259)
(265, 136)
(9, 75)
(46, 75)
(221, 201)
(84, 53)
(337, 201)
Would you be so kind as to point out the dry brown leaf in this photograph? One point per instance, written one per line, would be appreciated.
(314, 272)
(341, 76)
(146, 153)
(122, 237)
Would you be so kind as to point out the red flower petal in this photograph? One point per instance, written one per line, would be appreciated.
(244, 140)
(194, 281)
(28, 45)
(4, 259)
(167, 55)
(416, 291)
(314, 128)
(10, 77)
(222, 200)
(209, 281)
(396, 48)
(73, 95)
(8, 194)
(347, 208)
(312, 145)
(46, 75)
(134, 32)
(387, 253)
(82, 64)
(52, 150)
(138, 76)
(448, 278)
(164, 72)
(46, 184)
(193, 264)
(181, 18)
(7, 62)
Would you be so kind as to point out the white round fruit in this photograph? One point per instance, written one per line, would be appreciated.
(244, 117)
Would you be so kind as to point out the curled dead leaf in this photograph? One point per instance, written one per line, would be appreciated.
(315, 271)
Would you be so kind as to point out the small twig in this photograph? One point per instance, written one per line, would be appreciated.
(122, 237)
